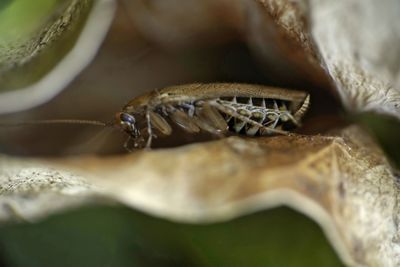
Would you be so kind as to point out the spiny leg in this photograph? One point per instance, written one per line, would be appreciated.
(267, 130)
(149, 130)
(275, 123)
(287, 115)
(276, 105)
(263, 104)
(259, 117)
(233, 113)
(284, 114)
(293, 119)
(238, 125)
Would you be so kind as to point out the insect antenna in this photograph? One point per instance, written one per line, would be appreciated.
(55, 121)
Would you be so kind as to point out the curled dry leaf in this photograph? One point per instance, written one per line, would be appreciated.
(342, 181)
(353, 44)
(359, 47)
(287, 53)
(36, 66)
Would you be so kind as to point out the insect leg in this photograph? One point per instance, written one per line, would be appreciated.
(238, 125)
(285, 114)
(292, 118)
(204, 125)
(190, 107)
(160, 123)
(275, 123)
(149, 130)
(288, 116)
(267, 130)
(209, 119)
(212, 115)
(275, 105)
(126, 144)
(183, 120)
(259, 117)
(233, 113)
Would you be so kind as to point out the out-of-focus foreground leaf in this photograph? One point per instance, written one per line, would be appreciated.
(44, 44)
(122, 237)
(341, 181)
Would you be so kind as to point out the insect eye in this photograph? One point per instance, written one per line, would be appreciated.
(127, 118)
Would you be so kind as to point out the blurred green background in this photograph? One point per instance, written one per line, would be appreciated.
(19, 19)
(106, 236)
(386, 131)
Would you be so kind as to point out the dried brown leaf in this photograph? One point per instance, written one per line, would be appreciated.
(353, 44)
(341, 181)
(273, 29)
(359, 47)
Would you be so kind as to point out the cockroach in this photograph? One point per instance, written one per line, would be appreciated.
(217, 108)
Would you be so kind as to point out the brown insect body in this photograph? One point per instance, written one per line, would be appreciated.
(215, 108)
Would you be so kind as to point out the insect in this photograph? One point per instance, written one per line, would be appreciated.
(217, 108)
